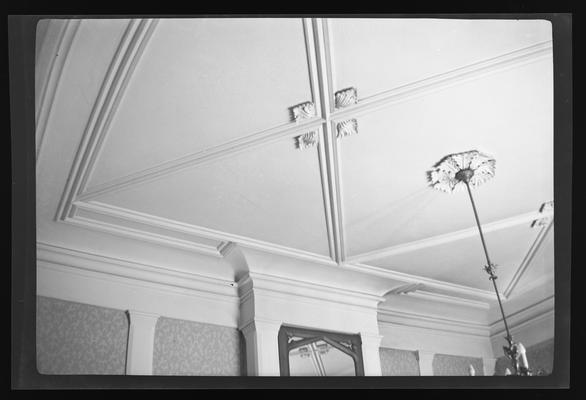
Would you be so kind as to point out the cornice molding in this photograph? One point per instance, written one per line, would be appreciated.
(541, 309)
(468, 293)
(261, 284)
(444, 80)
(422, 321)
(49, 88)
(72, 261)
(98, 213)
(524, 266)
(127, 55)
(520, 219)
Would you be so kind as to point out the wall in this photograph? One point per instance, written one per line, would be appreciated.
(449, 365)
(539, 356)
(79, 339)
(75, 338)
(396, 362)
(192, 348)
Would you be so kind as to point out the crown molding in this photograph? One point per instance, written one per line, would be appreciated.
(48, 90)
(128, 53)
(421, 321)
(431, 285)
(525, 317)
(442, 298)
(447, 237)
(75, 261)
(164, 231)
(444, 80)
(330, 151)
(524, 266)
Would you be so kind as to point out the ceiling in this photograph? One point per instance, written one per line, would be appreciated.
(181, 132)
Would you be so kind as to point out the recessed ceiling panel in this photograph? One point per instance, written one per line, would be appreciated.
(508, 115)
(462, 261)
(375, 55)
(202, 83)
(271, 193)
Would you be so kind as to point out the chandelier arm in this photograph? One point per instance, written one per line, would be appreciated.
(489, 270)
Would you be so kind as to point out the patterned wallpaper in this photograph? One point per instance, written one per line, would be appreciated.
(79, 339)
(191, 348)
(448, 365)
(539, 356)
(398, 362)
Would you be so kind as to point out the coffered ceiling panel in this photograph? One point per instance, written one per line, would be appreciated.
(271, 193)
(201, 83)
(375, 55)
(385, 196)
(462, 261)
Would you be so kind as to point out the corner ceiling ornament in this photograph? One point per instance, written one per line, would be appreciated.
(547, 209)
(303, 111)
(346, 97)
(466, 169)
(346, 128)
(307, 140)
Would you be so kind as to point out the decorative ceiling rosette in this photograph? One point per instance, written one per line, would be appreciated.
(451, 172)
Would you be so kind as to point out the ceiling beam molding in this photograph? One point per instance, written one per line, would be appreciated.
(215, 153)
(524, 266)
(444, 80)
(127, 56)
(330, 151)
(526, 218)
(51, 83)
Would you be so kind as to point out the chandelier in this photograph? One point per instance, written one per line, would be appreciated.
(462, 170)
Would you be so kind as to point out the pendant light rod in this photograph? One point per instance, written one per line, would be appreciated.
(489, 268)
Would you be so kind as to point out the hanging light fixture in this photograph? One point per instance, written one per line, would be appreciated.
(462, 170)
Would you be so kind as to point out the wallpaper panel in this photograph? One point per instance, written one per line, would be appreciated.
(76, 339)
(448, 365)
(192, 348)
(539, 356)
(396, 362)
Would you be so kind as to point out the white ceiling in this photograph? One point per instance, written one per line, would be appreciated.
(191, 141)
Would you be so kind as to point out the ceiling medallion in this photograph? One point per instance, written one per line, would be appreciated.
(307, 140)
(346, 128)
(546, 208)
(346, 97)
(303, 111)
(469, 167)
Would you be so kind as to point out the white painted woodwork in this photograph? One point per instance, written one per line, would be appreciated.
(141, 339)
(425, 359)
(168, 172)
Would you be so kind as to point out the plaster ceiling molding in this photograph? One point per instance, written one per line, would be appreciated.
(346, 128)
(303, 111)
(547, 210)
(307, 140)
(409, 288)
(346, 97)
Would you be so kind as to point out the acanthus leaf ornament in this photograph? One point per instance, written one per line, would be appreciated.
(346, 97)
(346, 128)
(307, 140)
(303, 111)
